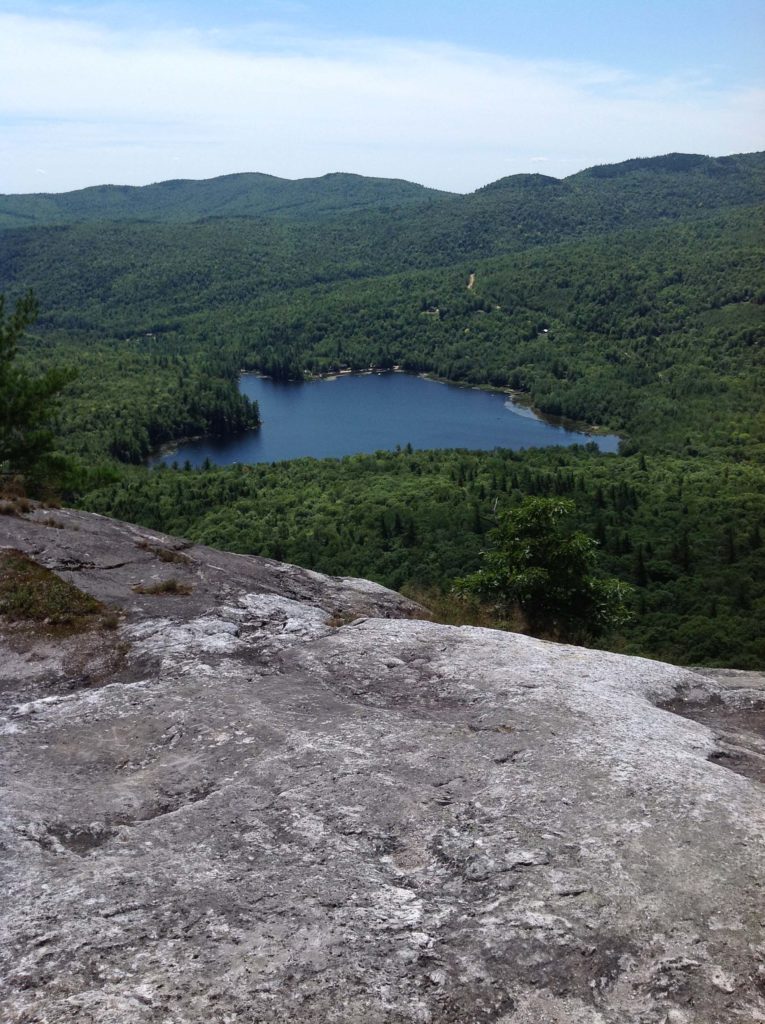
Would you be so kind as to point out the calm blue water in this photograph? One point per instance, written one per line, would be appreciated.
(351, 414)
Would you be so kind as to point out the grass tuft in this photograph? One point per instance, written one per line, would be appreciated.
(171, 586)
(31, 593)
(162, 553)
(454, 610)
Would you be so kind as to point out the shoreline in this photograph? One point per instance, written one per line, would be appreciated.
(520, 398)
(523, 400)
(171, 446)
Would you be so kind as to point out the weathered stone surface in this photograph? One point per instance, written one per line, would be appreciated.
(281, 798)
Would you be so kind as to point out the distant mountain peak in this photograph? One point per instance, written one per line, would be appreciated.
(520, 182)
(244, 194)
(254, 194)
(668, 163)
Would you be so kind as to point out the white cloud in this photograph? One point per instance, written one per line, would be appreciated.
(92, 105)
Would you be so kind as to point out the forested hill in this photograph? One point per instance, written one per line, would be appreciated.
(231, 195)
(522, 205)
(535, 209)
(628, 295)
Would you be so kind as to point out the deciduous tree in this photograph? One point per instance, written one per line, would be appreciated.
(548, 571)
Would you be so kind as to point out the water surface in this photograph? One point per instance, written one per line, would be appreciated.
(364, 413)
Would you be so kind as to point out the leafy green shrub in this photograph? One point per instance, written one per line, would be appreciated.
(549, 572)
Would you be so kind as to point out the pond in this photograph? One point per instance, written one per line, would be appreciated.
(350, 413)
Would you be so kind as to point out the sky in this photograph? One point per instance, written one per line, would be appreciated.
(452, 94)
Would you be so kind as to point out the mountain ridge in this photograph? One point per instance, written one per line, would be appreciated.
(257, 194)
(248, 193)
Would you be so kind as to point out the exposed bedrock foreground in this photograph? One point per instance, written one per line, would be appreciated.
(281, 798)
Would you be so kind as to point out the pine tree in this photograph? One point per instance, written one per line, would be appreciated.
(27, 403)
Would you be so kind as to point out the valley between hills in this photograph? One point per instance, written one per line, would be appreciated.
(631, 296)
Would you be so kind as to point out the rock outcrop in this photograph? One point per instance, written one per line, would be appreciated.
(265, 795)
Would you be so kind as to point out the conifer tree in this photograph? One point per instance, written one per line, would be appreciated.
(27, 402)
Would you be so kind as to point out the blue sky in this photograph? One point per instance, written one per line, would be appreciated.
(453, 95)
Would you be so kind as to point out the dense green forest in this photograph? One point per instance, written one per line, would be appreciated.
(232, 195)
(686, 533)
(630, 296)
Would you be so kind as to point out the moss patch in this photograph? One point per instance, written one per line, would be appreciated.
(31, 593)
